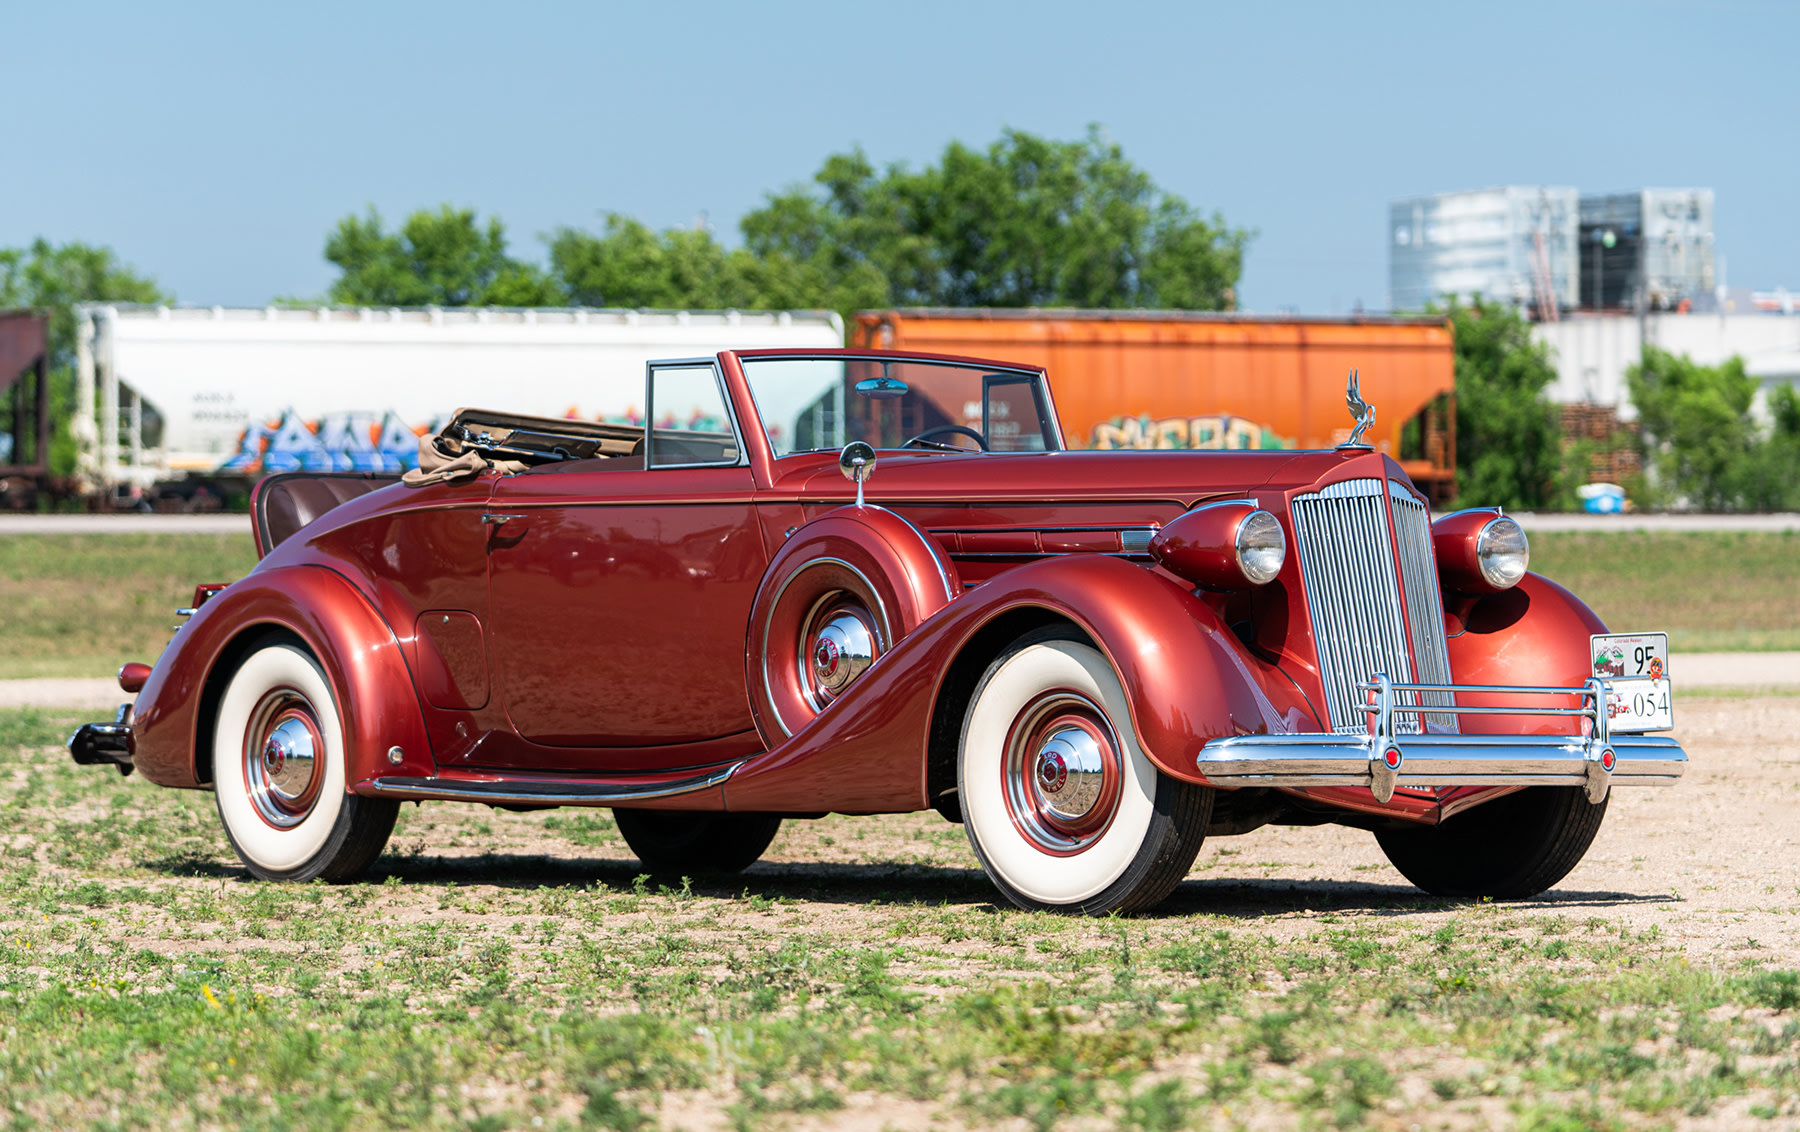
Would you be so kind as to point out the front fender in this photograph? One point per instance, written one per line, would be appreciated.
(378, 706)
(1188, 679)
(1535, 633)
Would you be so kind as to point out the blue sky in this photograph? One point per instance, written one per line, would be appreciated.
(215, 145)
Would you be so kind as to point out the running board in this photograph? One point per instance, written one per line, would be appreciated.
(523, 791)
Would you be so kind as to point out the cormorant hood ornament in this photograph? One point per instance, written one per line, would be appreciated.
(1361, 412)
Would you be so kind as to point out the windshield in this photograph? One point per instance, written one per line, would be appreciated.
(808, 404)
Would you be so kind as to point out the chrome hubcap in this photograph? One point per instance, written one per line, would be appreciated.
(282, 755)
(837, 648)
(1070, 773)
(1063, 772)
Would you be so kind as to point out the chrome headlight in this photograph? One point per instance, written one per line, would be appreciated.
(1261, 547)
(1503, 552)
(1222, 546)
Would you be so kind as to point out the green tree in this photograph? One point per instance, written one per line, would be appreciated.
(630, 266)
(1776, 481)
(55, 278)
(1698, 430)
(1026, 222)
(1508, 447)
(436, 258)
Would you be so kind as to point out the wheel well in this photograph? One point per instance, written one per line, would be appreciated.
(217, 677)
(944, 735)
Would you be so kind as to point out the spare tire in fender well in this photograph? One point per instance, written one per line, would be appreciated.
(908, 578)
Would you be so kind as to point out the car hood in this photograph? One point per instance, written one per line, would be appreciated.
(1180, 476)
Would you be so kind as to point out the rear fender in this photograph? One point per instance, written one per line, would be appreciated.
(378, 706)
(1186, 675)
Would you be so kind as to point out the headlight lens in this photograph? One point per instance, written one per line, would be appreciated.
(1503, 553)
(1261, 547)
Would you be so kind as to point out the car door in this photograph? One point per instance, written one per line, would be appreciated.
(619, 590)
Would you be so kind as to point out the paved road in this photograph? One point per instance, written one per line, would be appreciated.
(124, 524)
(1532, 521)
(1693, 670)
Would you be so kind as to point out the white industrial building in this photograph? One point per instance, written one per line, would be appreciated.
(1592, 353)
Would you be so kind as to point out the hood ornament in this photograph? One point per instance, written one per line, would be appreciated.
(1361, 412)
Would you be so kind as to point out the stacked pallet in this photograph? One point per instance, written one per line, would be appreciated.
(1614, 456)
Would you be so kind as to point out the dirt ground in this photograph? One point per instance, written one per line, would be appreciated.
(1712, 863)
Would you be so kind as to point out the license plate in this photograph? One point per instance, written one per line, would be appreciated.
(1635, 667)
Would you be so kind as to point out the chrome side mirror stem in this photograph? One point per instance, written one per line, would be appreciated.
(857, 462)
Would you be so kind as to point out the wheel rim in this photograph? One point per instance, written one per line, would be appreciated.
(1062, 772)
(837, 643)
(283, 758)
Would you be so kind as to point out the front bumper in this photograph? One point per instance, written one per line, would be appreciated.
(1385, 758)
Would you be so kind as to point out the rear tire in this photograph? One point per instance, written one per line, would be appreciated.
(279, 774)
(1508, 849)
(674, 843)
(1060, 803)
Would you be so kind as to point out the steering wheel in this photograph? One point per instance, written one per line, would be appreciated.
(924, 438)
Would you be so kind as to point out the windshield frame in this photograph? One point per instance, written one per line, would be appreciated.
(1039, 378)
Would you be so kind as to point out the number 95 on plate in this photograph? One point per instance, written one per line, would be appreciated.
(1635, 667)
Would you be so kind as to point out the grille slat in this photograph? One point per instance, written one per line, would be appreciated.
(1424, 603)
(1355, 568)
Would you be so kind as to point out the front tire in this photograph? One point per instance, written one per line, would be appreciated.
(1060, 803)
(1508, 849)
(675, 844)
(279, 774)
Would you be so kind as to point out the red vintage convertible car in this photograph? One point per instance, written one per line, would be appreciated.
(729, 615)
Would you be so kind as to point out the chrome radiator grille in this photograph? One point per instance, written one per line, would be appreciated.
(1354, 581)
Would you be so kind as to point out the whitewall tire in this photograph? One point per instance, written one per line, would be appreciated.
(1060, 803)
(279, 773)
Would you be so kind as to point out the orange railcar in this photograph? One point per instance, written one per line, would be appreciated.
(1137, 379)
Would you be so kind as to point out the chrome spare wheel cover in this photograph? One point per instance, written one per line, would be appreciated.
(837, 646)
(282, 752)
(1063, 772)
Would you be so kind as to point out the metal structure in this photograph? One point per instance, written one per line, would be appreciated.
(1515, 244)
(1653, 246)
(25, 385)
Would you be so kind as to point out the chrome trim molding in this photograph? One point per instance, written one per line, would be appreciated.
(1382, 759)
(1134, 541)
(518, 791)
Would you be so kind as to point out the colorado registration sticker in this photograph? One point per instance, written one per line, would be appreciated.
(1635, 667)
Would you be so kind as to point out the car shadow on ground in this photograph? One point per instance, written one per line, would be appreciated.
(1250, 899)
(917, 885)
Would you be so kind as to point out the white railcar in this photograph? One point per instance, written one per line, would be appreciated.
(172, 397)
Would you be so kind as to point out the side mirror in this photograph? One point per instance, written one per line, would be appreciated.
(857, 462)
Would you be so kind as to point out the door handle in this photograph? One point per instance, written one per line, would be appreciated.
(496, 518)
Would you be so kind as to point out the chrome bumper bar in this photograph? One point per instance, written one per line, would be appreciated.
(1384, 759)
